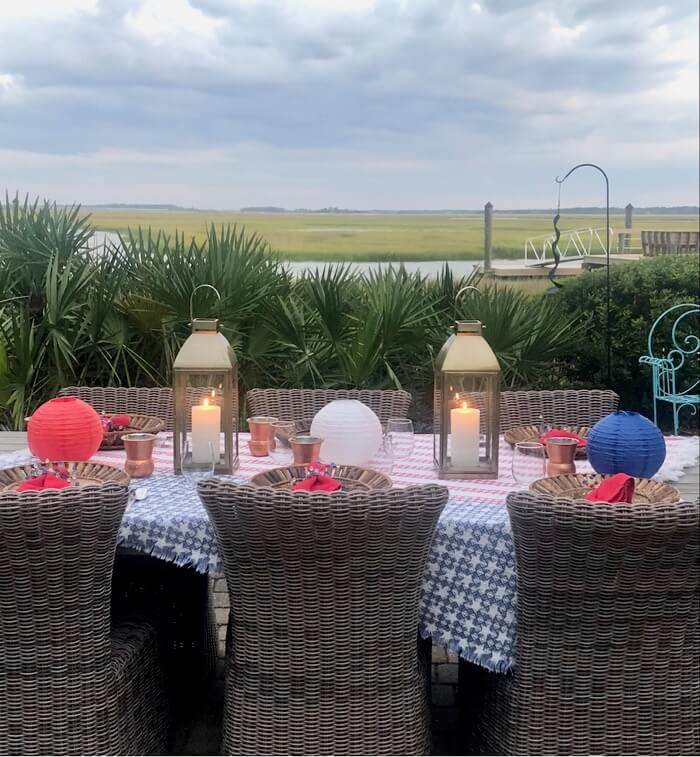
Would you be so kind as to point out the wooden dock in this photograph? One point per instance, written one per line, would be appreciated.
(600, 261)
(526, 272)
(570, 267)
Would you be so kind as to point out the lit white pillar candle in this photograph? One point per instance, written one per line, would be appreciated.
(464, 427)
(206, 429)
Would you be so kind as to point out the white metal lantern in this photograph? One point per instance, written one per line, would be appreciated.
(205, 397)
(466, 405)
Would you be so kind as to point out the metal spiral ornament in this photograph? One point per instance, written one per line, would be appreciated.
(555, 251)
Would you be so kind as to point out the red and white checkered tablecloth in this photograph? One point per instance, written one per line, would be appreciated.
(419, 468)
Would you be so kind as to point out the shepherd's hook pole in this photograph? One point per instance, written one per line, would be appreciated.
(607, 256)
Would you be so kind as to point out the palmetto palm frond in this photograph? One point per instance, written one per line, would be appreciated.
(118, 314)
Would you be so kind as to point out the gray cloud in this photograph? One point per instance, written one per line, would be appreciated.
(438, 86)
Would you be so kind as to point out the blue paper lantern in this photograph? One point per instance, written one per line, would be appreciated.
(625, 442)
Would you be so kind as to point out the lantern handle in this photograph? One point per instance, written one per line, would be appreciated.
(460, 293)
(202, 286)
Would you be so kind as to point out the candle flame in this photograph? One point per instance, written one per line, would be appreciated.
(464, 406)
(205, 402)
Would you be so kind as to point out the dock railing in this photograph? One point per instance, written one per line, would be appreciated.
(574, 244)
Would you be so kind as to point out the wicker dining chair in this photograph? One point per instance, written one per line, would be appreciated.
(132, 400)
(325, 592)
(70, 682)
(564, 407)
(173, 597)
(608, 647)
(303, 404)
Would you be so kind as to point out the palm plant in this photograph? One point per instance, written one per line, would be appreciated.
(34, 236)
(45, 269)
(527, 333)
(394, 316)
(117, 314)
(164, 272)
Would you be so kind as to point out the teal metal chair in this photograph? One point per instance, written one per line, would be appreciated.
(677, 365)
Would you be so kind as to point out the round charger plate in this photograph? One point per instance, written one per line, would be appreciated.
(532, 434)
(351, 477)
(147, 424)
(576, 486)
(83, 474)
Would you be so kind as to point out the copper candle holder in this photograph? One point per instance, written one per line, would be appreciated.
(139, 454)
(561, 452)
(305, 449)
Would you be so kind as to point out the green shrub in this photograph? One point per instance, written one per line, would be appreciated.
(640, 292)
(118, 315)
(49, 303)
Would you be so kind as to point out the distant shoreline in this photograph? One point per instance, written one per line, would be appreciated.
(678, 210)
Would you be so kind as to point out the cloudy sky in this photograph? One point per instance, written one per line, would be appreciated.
(354, 103)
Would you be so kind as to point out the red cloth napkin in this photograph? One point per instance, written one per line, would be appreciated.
(617, 488)
(110, 422)
(45, 481)
(562, 434)
(317, 483)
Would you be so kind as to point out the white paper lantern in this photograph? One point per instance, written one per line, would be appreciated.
(351, 432)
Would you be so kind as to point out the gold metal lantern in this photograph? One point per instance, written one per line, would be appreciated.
(205, 397)
(466, 405)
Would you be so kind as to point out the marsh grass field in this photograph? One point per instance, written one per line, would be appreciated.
(374, 236)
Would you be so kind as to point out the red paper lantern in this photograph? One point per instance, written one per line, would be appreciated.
(64, 428)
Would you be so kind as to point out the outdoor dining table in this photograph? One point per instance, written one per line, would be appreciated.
(469, 587)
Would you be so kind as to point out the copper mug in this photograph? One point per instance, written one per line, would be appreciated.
(561, 452)
(139, 454)
(262, 435)
(305, 449)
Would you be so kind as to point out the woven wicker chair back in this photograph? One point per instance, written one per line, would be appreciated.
(560, 407)
(56, 556)
(325, 592)
(134, 400)
(608, 643)
(303, 404)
